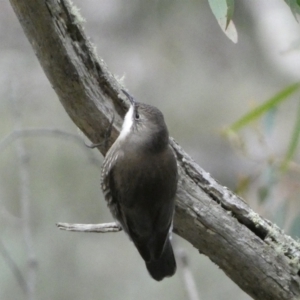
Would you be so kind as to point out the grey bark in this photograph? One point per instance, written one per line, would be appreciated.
(252, 251)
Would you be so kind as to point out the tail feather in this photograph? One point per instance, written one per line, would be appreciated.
(165, 266)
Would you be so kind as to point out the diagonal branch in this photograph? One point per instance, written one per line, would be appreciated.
(253, 252)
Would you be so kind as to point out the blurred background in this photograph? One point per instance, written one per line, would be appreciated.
(171, 54)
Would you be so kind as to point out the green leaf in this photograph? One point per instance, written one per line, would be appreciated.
(223, 11)
(294, 6)
(219, 8)
(263, 108)
(230, 10)
(293, 143)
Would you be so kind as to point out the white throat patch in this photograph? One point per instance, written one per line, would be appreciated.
(128, 121)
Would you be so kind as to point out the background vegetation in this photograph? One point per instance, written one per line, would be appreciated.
(172, 54)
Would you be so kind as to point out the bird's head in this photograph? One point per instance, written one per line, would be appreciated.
(144, 125)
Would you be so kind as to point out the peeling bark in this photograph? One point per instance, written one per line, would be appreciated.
(252, 251)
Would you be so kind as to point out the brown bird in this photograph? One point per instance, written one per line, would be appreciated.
(139, 182)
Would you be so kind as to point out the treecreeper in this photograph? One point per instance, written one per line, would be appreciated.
(139, 183)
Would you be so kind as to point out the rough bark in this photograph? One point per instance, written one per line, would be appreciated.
(252, 251)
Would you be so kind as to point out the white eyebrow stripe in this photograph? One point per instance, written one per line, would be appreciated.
(127, 124)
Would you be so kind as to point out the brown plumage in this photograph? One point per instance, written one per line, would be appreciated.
(139, 182)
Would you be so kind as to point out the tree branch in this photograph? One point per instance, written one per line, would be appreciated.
(99, 228)
(252, 251)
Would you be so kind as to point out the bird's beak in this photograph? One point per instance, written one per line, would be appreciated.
(130, 98)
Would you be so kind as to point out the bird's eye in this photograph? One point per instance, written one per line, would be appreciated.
(137, 116)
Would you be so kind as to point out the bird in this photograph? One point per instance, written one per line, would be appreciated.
(139, 181)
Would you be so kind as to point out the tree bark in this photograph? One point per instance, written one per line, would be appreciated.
(252, 251)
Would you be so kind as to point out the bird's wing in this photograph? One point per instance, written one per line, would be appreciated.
(109, 188)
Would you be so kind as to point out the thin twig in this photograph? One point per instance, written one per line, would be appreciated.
(99, 228)
(13, 266)
(187, 275)
(48, 132)
(25, 197)
(6, 216)
(106, 138)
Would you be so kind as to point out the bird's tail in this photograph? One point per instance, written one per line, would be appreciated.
(165, 266)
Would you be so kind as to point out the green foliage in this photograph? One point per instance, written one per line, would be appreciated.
(294, 6)
(267, 106)
(275, 179)
(223, 11)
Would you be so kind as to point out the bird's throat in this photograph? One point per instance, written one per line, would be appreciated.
(127, 124)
